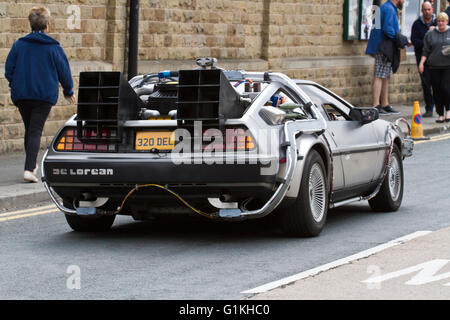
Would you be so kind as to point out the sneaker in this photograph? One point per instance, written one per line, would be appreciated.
(29, 176)
(390, 110)
(35, 171)
(380, 110)
(427, 114)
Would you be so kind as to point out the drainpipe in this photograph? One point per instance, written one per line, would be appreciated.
(133, 38)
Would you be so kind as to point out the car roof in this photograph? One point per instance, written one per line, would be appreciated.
(302, 81)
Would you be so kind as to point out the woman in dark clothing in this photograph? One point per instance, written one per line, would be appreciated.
(34, 68)
(436, 54)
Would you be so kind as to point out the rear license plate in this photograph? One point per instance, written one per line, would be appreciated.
(160, 140)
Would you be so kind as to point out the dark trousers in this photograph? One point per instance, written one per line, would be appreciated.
(440, 81)
(425, 78)
(34, 114)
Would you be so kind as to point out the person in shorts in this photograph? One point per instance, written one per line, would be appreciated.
(385, 24)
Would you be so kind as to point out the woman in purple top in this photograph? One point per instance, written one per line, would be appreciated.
(436, 53)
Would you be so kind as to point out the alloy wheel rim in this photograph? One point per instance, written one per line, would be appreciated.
(317, 192)
(394, 178)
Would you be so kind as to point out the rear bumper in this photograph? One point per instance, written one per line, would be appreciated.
(76, 169)
(114, 175)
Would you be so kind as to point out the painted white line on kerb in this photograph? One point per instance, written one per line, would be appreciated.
(334, 264)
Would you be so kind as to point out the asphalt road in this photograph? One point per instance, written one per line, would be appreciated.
(41, 258)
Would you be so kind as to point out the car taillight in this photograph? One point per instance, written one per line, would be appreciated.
(232, 140)
(241, 142)
(68, 141)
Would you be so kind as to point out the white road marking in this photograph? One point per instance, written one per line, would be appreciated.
(334, 264)
(426, 273)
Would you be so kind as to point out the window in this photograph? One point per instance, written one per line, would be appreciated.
(351, 19)
(411, 11)
(285, 101)
(330, 107)
(367, 14)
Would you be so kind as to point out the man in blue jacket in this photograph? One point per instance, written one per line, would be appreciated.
(419, 28)
(385, 24)
(34, 68)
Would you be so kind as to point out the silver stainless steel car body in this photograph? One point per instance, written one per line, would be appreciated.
(355, 152)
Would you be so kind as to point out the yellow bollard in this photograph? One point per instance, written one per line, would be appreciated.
(416, 123)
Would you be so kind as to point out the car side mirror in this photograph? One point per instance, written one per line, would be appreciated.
(364, 115)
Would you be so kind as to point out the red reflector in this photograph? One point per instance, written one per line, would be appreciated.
(102, 147)
(90, 147)
(283, 160)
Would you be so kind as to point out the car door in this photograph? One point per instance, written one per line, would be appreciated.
(356, 145)
(358, 149)
(338, 170)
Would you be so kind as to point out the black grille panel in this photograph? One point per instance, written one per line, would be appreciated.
(105, 101)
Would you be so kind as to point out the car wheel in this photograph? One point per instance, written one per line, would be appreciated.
(389, 198)
(90, 224)
(307, 216)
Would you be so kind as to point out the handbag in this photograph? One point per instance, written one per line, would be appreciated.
(387, 48)
(446, 50)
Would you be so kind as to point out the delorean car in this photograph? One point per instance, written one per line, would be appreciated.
(223, 144)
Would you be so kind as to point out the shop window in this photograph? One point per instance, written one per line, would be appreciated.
(411, 11)
(359, 15)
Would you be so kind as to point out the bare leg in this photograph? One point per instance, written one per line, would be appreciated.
(385, 92)
(376, 91)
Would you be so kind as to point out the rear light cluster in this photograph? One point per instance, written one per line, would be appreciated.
(68, 141)
(233, 139)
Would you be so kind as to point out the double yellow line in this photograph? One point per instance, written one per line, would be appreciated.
(27, 213)
(440, 137)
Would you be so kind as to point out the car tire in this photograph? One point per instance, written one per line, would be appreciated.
(389, 198)
(307, 216)
(90, 224)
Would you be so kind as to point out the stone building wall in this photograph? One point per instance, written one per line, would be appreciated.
(180, 30)
(301, 38)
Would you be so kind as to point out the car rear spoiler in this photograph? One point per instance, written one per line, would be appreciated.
(105, 101)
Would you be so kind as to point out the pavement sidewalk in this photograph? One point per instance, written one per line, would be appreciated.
(415, 267)
(15, 193)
